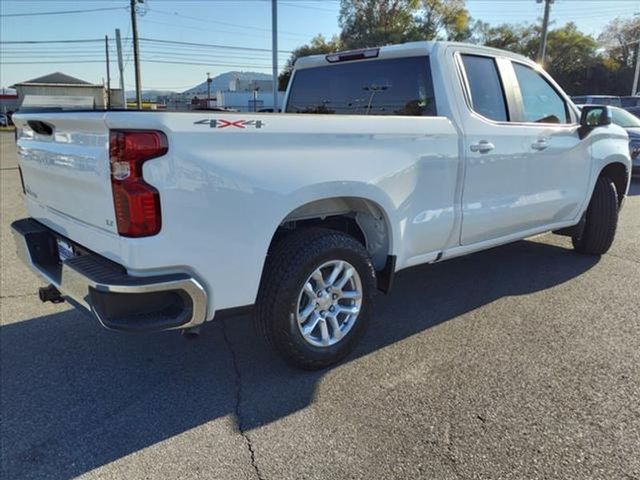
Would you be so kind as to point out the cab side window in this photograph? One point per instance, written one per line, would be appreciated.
(487, 94)
(540, 101)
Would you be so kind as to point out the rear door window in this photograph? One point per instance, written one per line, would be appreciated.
(397, 86)
(486, 92)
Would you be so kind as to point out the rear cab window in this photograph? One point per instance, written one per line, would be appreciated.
(396, 86)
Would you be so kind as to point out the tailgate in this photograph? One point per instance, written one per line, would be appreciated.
(64, 160)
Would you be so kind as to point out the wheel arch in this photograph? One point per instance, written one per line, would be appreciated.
(618, 172)
(361, 217)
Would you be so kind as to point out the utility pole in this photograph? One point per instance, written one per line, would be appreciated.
(106, 51)
(274, 48)
(121, 68)
(209, 80)
(545, 27)
(634, 89)
(136, 53)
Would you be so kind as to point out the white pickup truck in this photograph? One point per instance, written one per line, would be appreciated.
(383, 159)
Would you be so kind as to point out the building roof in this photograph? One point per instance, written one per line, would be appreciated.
(56, 78)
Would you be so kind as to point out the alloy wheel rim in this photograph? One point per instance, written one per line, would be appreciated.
(329, 303)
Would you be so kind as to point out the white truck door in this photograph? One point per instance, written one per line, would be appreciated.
(519, 175)
(558, 161)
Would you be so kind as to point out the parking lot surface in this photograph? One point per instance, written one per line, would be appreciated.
(518, 362)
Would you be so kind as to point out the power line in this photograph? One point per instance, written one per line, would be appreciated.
(201, 29)
(208, 64)
(56, 62)
(146, 49)
(176, 47)
(11, 51)
(61, 58)
(61, 12)
(246, 27)
(212, 45)
(51, 55)
(29, 42)
(307, 7)
(171, 62)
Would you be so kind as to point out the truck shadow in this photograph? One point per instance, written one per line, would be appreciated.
(75, 397)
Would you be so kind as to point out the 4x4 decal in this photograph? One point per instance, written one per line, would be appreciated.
(221, 123)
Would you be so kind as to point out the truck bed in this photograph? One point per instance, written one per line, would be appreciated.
(229, 180)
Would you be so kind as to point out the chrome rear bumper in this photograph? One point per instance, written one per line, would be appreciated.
(118, 300)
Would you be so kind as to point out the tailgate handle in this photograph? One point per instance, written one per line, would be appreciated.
(41, 127)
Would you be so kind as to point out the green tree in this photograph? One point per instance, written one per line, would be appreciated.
(371, 23)
(572, 56)
(318, 45)
(519, 38)
(443, 20)
(621, 40)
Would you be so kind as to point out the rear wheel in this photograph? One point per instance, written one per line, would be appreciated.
(601, 220)
(316, 297)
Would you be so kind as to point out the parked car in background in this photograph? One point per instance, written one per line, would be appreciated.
(631, 101)
(597, 100)
(631, 124)
(4, 120)
(634, 111)
(215, 109)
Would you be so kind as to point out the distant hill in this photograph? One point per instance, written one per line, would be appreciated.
(221, 82)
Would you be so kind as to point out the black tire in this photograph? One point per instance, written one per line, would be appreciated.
(601, 220)
(288, 265)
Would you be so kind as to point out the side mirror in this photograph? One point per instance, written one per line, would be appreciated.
(593, 116)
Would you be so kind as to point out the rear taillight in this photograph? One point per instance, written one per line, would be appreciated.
(137, 204)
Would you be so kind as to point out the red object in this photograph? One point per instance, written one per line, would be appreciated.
(136, 203)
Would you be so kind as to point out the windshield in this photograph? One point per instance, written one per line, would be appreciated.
(624, 119)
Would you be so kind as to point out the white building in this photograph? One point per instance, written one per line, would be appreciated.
(238, 85)
(64, 91)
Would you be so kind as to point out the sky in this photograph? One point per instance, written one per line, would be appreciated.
(231, 34)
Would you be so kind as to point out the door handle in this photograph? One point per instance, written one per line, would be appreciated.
(482, 146)
(540, 145)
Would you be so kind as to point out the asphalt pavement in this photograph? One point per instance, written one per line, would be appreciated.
(521, 362)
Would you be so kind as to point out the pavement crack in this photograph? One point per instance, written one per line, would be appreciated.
(238, 412)
(18, 295)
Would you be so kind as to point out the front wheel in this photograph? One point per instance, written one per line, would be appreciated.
(316, 297)
(601, 220)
